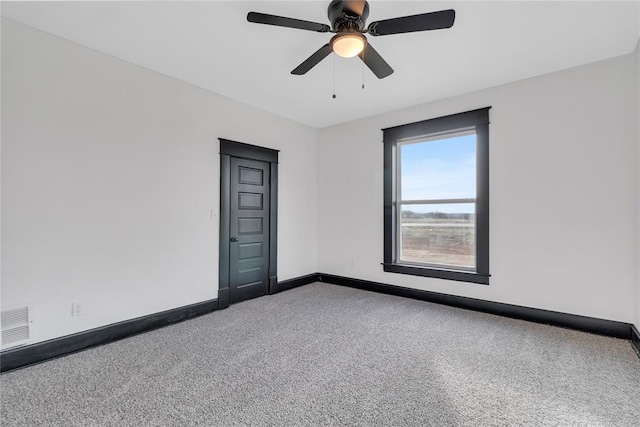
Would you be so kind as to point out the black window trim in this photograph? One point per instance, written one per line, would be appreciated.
(478, 119)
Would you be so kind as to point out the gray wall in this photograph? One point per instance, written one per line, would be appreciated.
(637, 71)
(563, 175)
(109, 176)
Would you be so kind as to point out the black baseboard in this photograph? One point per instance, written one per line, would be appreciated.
(285, 285)
(582, 323)
(635, 339)
(20, 357)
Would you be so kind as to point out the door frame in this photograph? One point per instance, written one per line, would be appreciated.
(230, 149)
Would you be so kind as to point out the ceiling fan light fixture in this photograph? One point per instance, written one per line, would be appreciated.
(348, 22)
(348, 45)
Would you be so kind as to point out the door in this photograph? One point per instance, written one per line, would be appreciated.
(249, 229)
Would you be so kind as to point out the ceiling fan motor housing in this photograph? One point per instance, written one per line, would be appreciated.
(344, 19)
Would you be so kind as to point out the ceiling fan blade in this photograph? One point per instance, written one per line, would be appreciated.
(313, 60)
(281, 21)
(355, 6)
(408, 24)
(374, 61)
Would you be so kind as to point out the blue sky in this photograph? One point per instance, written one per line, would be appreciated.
(440, 169)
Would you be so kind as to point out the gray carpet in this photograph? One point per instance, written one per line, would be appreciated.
(329, 355)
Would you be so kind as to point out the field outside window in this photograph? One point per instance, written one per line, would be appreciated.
(438, 235)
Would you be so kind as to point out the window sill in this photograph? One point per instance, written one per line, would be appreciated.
(457, 275)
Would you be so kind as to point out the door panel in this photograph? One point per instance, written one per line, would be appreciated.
(250, 201)
(249, 229)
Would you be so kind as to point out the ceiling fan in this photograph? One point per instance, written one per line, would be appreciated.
(348, 18)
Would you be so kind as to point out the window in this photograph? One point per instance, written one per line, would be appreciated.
(436, 201)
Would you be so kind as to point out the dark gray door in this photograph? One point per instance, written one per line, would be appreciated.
(249, 229)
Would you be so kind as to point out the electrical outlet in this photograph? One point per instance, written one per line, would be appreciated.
(76, 309)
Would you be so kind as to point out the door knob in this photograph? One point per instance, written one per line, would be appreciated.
(234, 239)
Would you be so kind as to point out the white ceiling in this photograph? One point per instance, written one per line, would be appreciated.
(211, 45)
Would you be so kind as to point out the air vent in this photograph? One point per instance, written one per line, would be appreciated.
(16, 325)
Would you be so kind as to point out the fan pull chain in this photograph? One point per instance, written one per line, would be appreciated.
(362, 71)
(334, 76)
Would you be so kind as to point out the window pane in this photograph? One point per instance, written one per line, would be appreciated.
(438, 234)
(439, 169)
